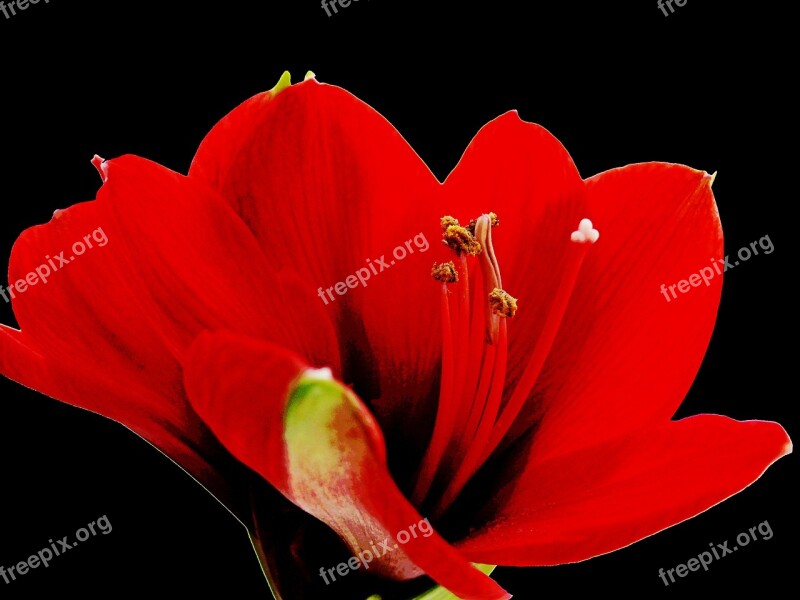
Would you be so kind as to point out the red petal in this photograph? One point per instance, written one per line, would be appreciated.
(324, 452)
(326, 184)
(104, 331)
(596, 500)
(86, 341)
(166, 422)
(521, 172)
(314, 167)
(205, 261)
(624, 357)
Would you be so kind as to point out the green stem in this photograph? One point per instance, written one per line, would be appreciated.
(255, 539)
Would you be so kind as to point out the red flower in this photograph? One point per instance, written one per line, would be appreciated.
(521, 398)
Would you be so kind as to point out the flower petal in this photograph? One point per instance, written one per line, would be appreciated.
(171, 427)
(86, 342)
(217, 273)
(310, 167)
(328, 187)
(521, 172)
(319, 446)
(160, 258)
(596, 500)
(625, 356)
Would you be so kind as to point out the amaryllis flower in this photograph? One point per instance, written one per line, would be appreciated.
(381, 410)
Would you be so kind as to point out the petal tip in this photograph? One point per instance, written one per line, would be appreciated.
(101, 166)
(310, 75)
(512, 114)
(284, 82)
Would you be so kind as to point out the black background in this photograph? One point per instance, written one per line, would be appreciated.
(617, 82)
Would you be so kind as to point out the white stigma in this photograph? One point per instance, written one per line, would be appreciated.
(585, 233)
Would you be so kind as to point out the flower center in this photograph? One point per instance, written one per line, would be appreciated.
(470, 424)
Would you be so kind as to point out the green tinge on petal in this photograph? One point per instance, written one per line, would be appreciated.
(310, 413)
(308, 420)
(284, 82)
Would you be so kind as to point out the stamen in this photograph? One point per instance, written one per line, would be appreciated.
(463, 306)
(447, 220)
(503, 303)
(446, 411)
(470, 424)
(461, 240)
(445, 272)
(476, 351)
(473, 458)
